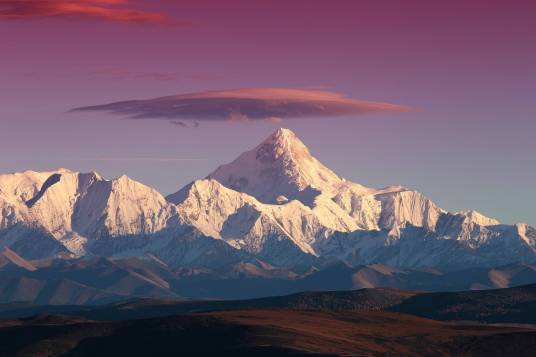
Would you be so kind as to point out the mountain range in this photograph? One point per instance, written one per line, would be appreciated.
(275, 213)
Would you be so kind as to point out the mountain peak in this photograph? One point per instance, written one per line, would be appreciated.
(283, 131)
(279, 165)
(283, 142)
(478, 218)
(283, 135)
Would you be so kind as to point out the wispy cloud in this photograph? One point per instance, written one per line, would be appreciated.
(154, 159)
(117, 71)
(206, 76)
(248, 104)
(123, 73)
(183, 124)
(109, 10)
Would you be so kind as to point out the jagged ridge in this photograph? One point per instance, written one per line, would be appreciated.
(275, 205)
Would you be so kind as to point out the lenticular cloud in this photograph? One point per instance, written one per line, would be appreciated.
(245, 105)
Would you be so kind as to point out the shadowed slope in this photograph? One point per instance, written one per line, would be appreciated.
(262, 333)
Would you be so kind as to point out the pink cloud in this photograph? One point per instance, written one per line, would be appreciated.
(246, 105)
(109, 10)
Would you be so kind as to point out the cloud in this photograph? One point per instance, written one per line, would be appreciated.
(152, 159)
(179, 123)
(250, 104)
(182, 124)
(119, 72)
(158, 76)
(206, 76)
(110, 10)
(122, 73)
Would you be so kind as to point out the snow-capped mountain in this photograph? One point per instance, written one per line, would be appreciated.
(281, 169)
(70, 210)
(274, 206)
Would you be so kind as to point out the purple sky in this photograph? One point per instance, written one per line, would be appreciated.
(468, 68)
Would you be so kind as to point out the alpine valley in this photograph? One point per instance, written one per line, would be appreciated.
(273, 221)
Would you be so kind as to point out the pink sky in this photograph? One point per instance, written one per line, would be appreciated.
(467, 67)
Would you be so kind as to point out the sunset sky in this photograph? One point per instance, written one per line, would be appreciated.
(438, 96)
